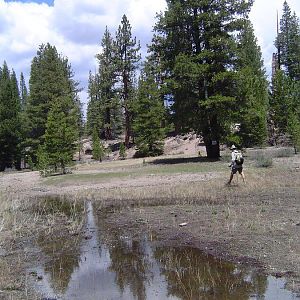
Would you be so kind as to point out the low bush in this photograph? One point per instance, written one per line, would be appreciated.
(263, 160)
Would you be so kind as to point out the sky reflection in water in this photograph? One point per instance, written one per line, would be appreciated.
(109, 265)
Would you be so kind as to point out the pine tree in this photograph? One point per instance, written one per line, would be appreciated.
(104, 108)
(51, 78)
(252, 90)
(285, 104)
(98, 148)
(285, 107)
(149, 114)
(24, 117)
(17, 131)
(293, 129)
(61, 133)
(23, 92)
(198, 51)
(288, 43)
(94, 116)
(127, 60)
(10, 125)
(110, 108)
(280, 100)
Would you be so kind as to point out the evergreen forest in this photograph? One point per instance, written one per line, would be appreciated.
(203, 72)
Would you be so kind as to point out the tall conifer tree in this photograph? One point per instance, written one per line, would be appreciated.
(61, 133)
(198, 51)
(51, 79)
(23, 92)
(10, 123)
(127, 60)
(288, 43)
(94, 116)
(149, 114)
(252, 93)
(285, 104)
(110, 104)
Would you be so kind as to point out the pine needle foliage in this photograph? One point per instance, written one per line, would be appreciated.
(51, 80)
(285, 104)
(98, 148)
(61, 134)
(149, 114)
(196, 43)
(252, 91)
(10, 120)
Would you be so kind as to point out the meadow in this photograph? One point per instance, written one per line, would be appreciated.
(255, 223)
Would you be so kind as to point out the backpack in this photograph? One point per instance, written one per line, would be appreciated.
(239, 159)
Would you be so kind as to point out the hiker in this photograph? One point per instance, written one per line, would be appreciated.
(236, 163)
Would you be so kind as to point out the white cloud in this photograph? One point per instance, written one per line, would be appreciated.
(25, 26)
(75, 27)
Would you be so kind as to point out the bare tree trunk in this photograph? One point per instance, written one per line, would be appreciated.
(212, 148)
(127, 128)
(63, 167)
(127, 113)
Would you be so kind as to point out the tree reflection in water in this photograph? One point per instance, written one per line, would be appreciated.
(63, 258)
(62, 253)
(113, 265)
(130, 259)
(193, 275)
(131, 264)
(185, 273)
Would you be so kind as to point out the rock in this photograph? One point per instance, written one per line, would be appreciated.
(183, 224)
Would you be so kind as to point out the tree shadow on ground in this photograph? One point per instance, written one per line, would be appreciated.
(182, 160)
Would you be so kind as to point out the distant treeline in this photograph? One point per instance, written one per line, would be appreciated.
(203, 73)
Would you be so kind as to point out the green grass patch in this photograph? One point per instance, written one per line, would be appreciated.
(184, 168)
(135, 171)
(88, 177)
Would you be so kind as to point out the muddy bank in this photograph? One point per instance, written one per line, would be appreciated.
(254, 224)
(261, 230)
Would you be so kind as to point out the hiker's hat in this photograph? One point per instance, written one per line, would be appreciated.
(232, 147)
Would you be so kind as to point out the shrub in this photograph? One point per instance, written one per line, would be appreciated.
(263, 161)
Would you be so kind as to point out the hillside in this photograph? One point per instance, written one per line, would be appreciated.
(188, 145)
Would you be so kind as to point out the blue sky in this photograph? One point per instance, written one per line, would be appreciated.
(76, 27)
(49, 2)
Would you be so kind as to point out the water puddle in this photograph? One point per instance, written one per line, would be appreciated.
(110, 265)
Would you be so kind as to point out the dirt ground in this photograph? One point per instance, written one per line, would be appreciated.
(256, 223)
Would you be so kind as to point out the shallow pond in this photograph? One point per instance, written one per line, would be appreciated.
(110, 265)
